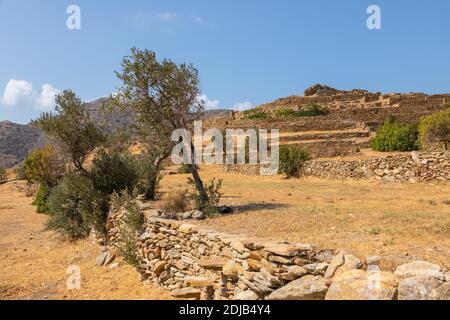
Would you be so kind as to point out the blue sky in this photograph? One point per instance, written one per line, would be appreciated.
(247, 52)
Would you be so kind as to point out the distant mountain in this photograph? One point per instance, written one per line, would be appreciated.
(17, 141)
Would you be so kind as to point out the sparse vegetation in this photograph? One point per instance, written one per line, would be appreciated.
(311, 110)
(129, 226)
(41, 199)
(255, 114)
(435, 128)
(396, 136)
(213, 187)
(291, 160)
(177, 201)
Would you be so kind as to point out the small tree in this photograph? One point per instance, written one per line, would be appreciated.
(163, 97)
(43, 166)
(396, 136)
(72, 128)
(435, 128)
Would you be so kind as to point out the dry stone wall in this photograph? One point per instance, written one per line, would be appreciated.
(413, 167)
(196, 263)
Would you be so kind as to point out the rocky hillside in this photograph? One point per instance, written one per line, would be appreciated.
(17, 141)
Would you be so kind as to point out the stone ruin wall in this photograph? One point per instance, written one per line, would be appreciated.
(413, 167)
(196, 263)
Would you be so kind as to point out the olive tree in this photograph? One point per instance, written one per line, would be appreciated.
(163, 97)
(72, 128)
(435, 128)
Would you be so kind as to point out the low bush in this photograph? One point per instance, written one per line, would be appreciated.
(20, 173)
(212, 188)
(311, 110)
(255, 114)
(73, 205)
(177, 201)
(291, 160)
(41, 199)
(396, 136)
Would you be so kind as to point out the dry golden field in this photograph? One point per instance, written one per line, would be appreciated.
(364, 217)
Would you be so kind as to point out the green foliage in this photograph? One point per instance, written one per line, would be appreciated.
(212, 189)
(129, 225)
(311, 110)
(72, 127)
(255, 114)
(150, 175)
(435, 128)
(2, 174)
(41, 199)
(396, 136)
(114, 172)
(43, 166)
(177, 201)
(291, 160)
(72, 205)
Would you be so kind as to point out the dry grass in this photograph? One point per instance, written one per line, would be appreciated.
(33, 262)
(363, 217)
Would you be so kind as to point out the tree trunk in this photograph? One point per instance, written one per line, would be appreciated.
(197, 180)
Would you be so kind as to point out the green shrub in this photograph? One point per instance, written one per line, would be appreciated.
(114, 172)
(43, 166)
(2, 174)
(311, 110)
(291, 160)
(396, 136)
(212, 188)
(41, 199)
(73, 206)
(150, 176)
(435, 128)
(177, 201)
(129, 226)
(255, 114)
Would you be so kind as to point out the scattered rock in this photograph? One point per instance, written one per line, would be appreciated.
(362, 285)
(186, 293)
(418, 288)
(247, 295)
(419, 269)
(306, 288)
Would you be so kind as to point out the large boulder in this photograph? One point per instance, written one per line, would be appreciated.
(419, 269)
(418, 288)
(363, 285)
(307, 288)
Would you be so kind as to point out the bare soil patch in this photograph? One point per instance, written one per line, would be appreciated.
(33, 262)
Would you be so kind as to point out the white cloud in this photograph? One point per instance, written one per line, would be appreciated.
(241, 106)
(17, 91)
(209, 104)
(46, 98)
(21, 92)
(198, 19)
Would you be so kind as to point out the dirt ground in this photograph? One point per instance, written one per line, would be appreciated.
(366, 218)
(34, 262)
